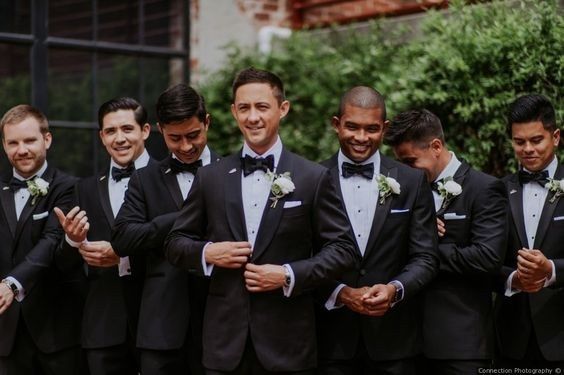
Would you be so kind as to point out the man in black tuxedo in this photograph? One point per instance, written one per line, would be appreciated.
(472, 226)
(370, 321)
(39, 334)
(168, 336)
(114, 284)
(529, 320)
(268, 227)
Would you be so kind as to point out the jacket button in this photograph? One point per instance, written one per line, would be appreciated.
(362, 272)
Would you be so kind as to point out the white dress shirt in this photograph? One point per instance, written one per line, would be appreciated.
(449, 171)
(534, 197)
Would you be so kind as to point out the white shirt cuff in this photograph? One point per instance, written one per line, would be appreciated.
(21, 290)
(207, 268)
(552, 280)
(124, 267)
(509, 291)
(288, 289)
(73, 243)
(331, 302)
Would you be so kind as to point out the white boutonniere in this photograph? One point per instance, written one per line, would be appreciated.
(37, 187)
(555, 186)
(281, 185)
(387, 186)
(448, 189)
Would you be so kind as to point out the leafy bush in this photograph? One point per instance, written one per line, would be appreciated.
(465, 65)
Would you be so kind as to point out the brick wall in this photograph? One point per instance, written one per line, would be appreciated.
(266, 12)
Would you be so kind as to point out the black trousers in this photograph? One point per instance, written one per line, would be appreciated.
(427, 366)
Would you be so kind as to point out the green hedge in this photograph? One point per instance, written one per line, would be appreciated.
(466, 65)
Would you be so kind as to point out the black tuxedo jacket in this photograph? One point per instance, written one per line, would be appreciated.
(313, 238)
(152, 204)
(524, 314)
(458, 307)
(112, 303)
(28, 249)
(401, 246)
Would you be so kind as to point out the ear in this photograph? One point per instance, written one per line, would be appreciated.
(436, 146)
(160, 128)
(556, 136)
(335, 122)
(386, 126)
(233, 111)
(146, 130)
(284, 108)
(48, 139)
(207, 121)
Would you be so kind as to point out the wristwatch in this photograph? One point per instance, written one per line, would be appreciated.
(399, 291)
(13, 287)
(287, 276)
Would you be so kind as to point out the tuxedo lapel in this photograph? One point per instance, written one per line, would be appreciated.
(171, 183)
(458, 177)
(271, 215)
(104, 195)
(382, 210)
(547, 212)
(234, 199)
(334, 168)
(9, 206)
(29, 208)
(515, 193)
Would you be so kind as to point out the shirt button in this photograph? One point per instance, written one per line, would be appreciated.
(358, 235)
(253, 232)
(534, 215)
(359, 210)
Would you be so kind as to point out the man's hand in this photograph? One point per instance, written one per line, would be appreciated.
(98, 254)
(527, 287)
(6, 297)
(441, 227)
(352, 298)
(533, 266)
(228, 254)
(264, 277)
(378, 299)
(75, 223)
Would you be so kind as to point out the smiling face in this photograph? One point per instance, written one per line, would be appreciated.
(26, 146)
(424, 157)
(534, 146)
(360, 131)
(186, 139)
(123, 137)
(258, 114)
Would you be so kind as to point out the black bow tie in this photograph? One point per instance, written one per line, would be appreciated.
(364, 170)
(17, 184)
(250, 164)
(120, 173)
(176, 166)
(435, 186)
(539, 177)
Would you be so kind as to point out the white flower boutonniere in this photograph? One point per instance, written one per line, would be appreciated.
(37, 187)
(555, 186)
(387, 187)
(448, 189)
(281, 185)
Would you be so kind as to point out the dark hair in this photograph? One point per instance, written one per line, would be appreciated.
(531, 108)
(19, 113)
(179, 103)
(116, 104)
(418, 125)
(253, 75)
(362, 97)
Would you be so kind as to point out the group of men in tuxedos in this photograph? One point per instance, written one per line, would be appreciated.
(263, 262)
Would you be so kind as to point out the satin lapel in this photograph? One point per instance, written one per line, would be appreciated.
(271, 215)
(547, 211)
(234, 199)
(104, 195)
(458, 177)
(9, 206)
(382, 210)
(515, 193)
(29, 208)
(171, 183)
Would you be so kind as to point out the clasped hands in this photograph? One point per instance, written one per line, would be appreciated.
(533, 269)
(95, 253)
(258, 278)
(374, 301)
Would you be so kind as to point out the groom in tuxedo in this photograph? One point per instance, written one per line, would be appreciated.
(529, 320)
(268, 227)
(169, 328)
(40, 304)
(370, 319)
(472, 226)
(114, 284)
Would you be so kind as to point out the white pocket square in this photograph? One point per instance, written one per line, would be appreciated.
(399, 211)
(41, 215)
(558, 218)
(290, 204)
(233, 170)
(453, 216)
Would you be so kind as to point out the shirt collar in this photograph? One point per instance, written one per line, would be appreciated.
(38, 174)
(450, 168)
(275, 150)
(551, 168)
(375, 159)
(140, 162)
(205, 156)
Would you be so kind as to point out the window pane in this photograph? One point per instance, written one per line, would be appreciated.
(73, 150)
(70, 19)
(117, 76)
(164, 23)
(70, 86)
(15, 16)
(15, 87)
(118, 21)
